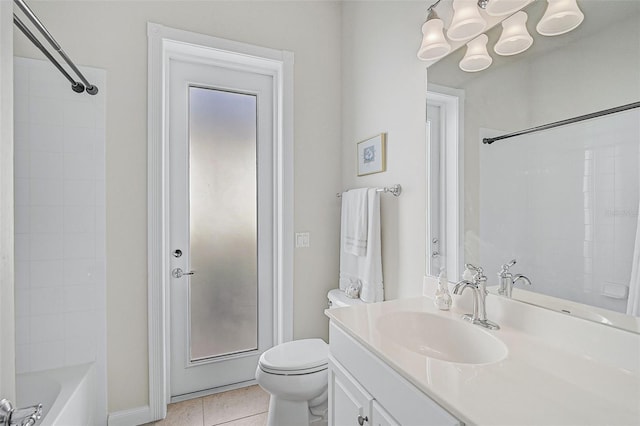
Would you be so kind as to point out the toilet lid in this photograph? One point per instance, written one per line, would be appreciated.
(304, 356)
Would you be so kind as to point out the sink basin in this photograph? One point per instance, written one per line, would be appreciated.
(440, 337)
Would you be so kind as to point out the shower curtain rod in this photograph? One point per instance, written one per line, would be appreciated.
(396, 190)
(75, 85)
(564, 122)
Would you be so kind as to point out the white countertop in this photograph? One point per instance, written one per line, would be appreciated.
(577, 378)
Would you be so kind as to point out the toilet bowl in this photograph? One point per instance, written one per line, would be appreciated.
(295, 374)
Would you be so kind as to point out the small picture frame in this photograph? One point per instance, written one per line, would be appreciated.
(372, 155)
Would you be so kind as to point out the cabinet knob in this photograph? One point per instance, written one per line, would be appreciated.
(361, 420)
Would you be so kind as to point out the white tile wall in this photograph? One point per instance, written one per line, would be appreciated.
(564, 202)
(60, 219)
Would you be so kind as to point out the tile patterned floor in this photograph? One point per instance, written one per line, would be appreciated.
(240, 407)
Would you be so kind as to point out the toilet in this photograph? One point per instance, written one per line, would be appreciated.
(295, 375)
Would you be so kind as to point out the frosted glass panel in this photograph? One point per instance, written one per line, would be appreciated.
(223, 223)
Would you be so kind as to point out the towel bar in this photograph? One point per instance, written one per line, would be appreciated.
(396, 190)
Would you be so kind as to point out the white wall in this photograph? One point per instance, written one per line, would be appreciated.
(59, 221)
(112, 35)
(383, 90)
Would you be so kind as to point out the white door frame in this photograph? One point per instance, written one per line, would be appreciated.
(7, 320)
(451, 103)
(165, 44)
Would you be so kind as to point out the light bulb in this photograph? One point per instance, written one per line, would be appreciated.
(434, 45)
(560, 17)
(476, 58)
(504, 7)
(466, 22)
(514, 38)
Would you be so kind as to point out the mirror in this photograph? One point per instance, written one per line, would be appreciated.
(563, 201)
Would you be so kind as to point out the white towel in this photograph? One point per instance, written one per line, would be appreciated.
(367, 269)
(354, 221)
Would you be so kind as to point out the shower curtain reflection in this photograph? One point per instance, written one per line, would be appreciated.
(633, 303)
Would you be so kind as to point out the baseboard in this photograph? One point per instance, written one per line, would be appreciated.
(131, 417)
(212, 391)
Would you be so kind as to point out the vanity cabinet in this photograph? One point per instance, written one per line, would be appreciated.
(364, 390)
(381, 417)
(350, 403)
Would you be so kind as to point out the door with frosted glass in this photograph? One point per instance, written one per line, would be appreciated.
(435, 221)
(220, 129)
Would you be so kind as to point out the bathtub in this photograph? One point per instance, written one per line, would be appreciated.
(67, 394)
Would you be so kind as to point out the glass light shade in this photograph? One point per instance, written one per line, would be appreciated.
(560, 17)
(476, 58)
(466, 22)
(434, 45)
(514, 38)
(504, 7)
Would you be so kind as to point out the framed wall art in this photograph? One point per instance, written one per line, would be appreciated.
(372, 155)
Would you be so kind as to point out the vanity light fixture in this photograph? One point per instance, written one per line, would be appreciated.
(476, 58)
(514, 38)
(467, 22)
(560, 17)
(434, 45)
(504, 7)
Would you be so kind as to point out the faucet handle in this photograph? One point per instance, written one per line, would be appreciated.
(479, 276)
(505, 268)
(477, 269)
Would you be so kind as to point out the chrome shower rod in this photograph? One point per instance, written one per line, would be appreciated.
(75, 85)
(91, 89)
(564, 122)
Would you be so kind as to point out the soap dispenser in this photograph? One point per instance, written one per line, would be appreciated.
(443, 298)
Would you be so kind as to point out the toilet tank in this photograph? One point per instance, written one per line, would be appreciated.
(338, 299)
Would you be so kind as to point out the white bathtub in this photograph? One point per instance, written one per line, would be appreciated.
(67, 395)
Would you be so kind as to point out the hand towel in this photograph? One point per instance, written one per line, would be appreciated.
(368, 268)
(354, 221)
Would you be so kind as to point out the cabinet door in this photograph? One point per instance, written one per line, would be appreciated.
(380, 417)
(400, 401)
(349, 403)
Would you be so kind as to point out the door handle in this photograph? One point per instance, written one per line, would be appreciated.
(178, 272)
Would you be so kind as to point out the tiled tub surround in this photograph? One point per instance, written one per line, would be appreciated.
(558, 370)
(59, 221)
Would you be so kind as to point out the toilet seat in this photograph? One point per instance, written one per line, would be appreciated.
(293, 372)
(298, 357)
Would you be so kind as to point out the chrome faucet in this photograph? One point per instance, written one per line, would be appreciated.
(10, 416)
(507, 280)
(479, 288)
